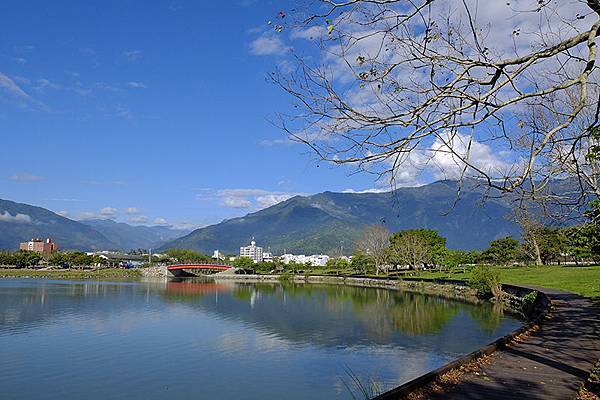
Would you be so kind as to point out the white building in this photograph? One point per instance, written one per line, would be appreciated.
(217, 255)
(267, 257)
(253, 251)
(318, 260)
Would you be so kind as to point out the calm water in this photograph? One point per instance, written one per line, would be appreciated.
(199, 340)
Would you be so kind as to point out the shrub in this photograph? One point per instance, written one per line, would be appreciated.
(486, 281)
(529, 303)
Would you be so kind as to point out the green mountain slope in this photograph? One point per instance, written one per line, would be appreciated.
(21, 222)
(324, 222)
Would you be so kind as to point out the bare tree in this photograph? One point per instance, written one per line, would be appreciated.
(374, 243)
(502, 92)
(532, 231)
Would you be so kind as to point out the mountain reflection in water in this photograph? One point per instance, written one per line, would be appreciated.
(203, 339)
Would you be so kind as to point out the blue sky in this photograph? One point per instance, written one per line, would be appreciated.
(148, 112)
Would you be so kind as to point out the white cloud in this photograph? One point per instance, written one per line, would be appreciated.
(138, 219)
(372, 190)
(449, 150)
(236, 202)
(12, 93)
(137, 85)
(63, 213)
(87, 215)
(245, 198)
(443, 159)
(272, 199)
(108, 212)
(46, 84)
(104, 213)
(132, 210)
(25, 177)
(9, 86)
(310, 33)
(161, 221)
(133, 55)
(268, 44)
(17, 219)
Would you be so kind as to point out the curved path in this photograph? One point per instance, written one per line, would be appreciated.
(551, 363)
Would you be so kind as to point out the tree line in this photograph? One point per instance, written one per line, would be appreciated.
(379, 249)
(23, 259)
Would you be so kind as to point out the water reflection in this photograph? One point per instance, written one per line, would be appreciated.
(377, 314)
(125, 340)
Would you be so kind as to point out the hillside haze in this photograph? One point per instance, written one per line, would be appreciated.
(325, 222)
(130, 237)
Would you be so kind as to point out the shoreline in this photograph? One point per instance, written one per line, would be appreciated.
(70, 274)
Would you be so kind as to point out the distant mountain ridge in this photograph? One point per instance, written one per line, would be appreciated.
(129, 237)
(20, 222)
(328, 221)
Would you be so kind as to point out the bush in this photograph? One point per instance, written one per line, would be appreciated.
(529, 303)
(486, 281)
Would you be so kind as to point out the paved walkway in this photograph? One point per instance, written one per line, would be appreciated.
(551, 363)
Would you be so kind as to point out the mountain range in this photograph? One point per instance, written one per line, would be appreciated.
(322, 223)
(329, 222)
(21, 222)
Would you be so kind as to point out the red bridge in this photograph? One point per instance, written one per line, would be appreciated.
(215, 266)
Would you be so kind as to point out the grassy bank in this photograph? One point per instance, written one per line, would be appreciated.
(584, 281)
(108, 273)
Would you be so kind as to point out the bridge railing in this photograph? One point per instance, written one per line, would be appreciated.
(212, 264)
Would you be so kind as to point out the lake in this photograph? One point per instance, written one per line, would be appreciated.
(202, 340)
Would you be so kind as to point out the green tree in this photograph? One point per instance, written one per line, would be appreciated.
(362, 263)
(593, 214)
(187, 256)
(456, 258)
(244, 263)
(552, 244)
(416, 247)
(578, 242)
(501, 251)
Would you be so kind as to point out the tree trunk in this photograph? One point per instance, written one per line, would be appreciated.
(536, 249)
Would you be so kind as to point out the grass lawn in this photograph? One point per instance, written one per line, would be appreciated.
(584, 281)
(108, 273)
